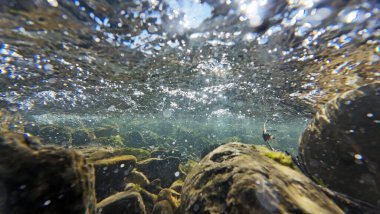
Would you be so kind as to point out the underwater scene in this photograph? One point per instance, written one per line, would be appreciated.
(189, 106)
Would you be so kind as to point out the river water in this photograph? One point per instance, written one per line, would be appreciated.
(215, 69)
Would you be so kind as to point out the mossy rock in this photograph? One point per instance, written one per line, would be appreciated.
(116, 141)
(134, 139)
(54, 134)
(137, 177)
(40, 179)
(83, 137)
(186, 167)
(93, 153)
(106, 131)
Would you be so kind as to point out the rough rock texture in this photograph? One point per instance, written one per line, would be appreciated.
(37, 179)
(162, 207)
(137, 177)
(340, 148)
(164, 169)
(134, 139)
(110, 174)
(236, 178)
(129, 202)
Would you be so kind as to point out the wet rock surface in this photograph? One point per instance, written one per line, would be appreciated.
(236, 178)
(38, 179)
(340, 148)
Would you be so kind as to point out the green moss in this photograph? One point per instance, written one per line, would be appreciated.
(278, 156)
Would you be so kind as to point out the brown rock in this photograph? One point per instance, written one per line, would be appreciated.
(137, 177)
(37, 179)
(110, 174)
(340, 147)
(237, 178)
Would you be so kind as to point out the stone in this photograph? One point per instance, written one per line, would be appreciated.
(128, 202)
(106, 131)
(340, 148)
(148, 198)
(110, 174)
(83, 137)
(237, 178)
(164, 169)
(164, 153)
(40, 179)
(115, 141)
(171, 196)
(134, 139)
(54, 134)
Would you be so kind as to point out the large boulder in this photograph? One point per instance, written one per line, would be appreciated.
(38, 179)
(237, 178)
(54, 134)
(340, 148)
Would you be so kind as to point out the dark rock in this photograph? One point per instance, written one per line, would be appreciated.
(128, 202)
(110, 174)
(38, 179)
(164, 169)
(106, 131)
(83, 137)
(171, 196)
(340, 147)
(55, 134)
(237, 178)
(134, 139)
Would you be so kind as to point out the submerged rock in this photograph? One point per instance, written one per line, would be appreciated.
(122, 203)
(237, 178)
(164, 169)
(54, 134)
(38, 179)
(110, 174)
(134, 139)
(340, 148)
(116, 141)
(106, 131)
(93, 153)
(83, 137)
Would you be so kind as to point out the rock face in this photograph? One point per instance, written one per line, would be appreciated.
(341, 145)
(37, 179)
(236, 178)
(110, 174)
